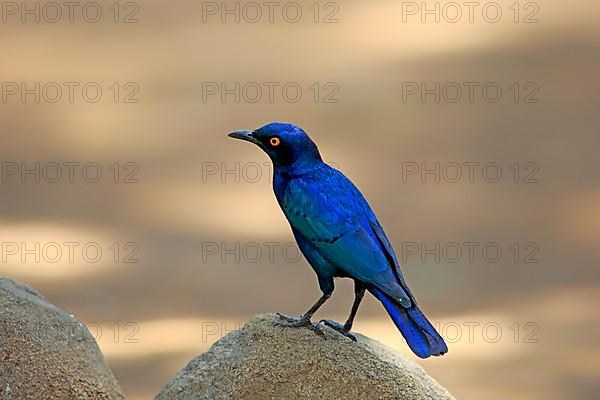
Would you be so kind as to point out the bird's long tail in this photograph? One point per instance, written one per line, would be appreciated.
(421, 336)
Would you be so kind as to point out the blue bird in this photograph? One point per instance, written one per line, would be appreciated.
(339, 235)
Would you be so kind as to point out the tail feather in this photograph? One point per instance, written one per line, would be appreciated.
(421, 336)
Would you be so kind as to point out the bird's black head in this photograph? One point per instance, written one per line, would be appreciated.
(286, 144)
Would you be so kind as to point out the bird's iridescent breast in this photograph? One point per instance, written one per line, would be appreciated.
(319, 204)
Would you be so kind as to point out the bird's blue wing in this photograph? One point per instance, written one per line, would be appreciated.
(391, 256)
(330, 212)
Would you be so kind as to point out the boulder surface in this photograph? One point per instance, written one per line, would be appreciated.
(45, 353)
(266, 361)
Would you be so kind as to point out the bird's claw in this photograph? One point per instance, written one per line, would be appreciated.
(302, 321)
(339, 328)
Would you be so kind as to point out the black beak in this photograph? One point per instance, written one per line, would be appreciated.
(244, 135)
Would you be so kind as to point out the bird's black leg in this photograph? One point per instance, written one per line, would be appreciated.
(359, 292)
(304, 319)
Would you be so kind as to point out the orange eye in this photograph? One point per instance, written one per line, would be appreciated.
(275, 141)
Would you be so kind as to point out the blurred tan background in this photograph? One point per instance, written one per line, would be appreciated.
(523, 327)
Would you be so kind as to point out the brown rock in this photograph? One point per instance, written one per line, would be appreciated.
(45, 353)
(266, 361)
